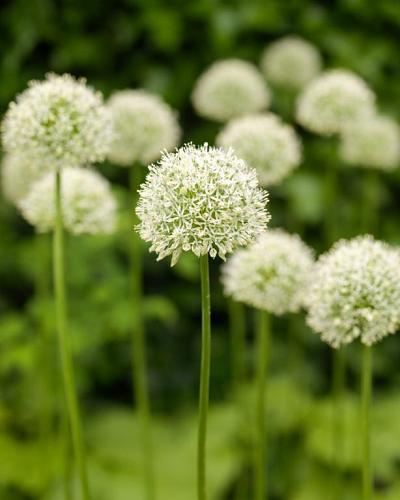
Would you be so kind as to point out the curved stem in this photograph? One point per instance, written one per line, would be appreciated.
(366, 391)
(204, 377)
(263, 340)
(338, 388)
(139, 355)
(65, 350)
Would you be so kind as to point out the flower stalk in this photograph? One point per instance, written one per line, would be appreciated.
(366, 391)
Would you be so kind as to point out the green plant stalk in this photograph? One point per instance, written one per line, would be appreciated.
(370, 201)
(204, 378)
(338, 389)
(139, 355)
(366, 392)
(262, 348)
(331, 184)
(64, 345)
(237, 328)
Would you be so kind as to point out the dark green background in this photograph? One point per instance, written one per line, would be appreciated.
(163, 46)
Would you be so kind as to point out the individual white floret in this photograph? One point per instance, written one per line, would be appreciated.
(200, 199)
(333, 100)
(228, 89)
(59, 121)
(291, 62)
(355, 292)
(144, 126)
(270, 274)
(88, 205)
(373, 143)
(265, 143)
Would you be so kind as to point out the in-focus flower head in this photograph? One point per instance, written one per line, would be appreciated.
(200, 199)
(265, 143)
(228, 89)
(17, 175)
(374, 143)
(144, 126)
(59, 121)
(291, 62)
(355, 292)
(88, 206)
(332, 100)
(270, 274)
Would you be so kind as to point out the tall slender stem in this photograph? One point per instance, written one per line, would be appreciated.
(263, 341)
(370, 202)
(338, 389)
(366, 391)
(237, 328)
(331, 181)
(65, 349)
(204, 377)
(139, 356)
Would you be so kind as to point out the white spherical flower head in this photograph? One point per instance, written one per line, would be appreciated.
(228, 89)
(88, 205)
(265, 143)
(355, 292)
(270, 274)
(333, 100)
(59, 122)
(291, 62)
(17, 175)
(373, 143)
(144, 126)
(200, 199)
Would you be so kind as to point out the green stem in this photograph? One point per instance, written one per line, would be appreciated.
(263, 340)
(370, 202)
(331, 182)
(338, 389)
(366, 391)
(204, 377)
(64, 345)
(237, 327)
(139, 355)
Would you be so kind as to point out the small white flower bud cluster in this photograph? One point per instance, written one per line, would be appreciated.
(200, 199)
(265, 143)
(374, 143)
(58, 122)
(291, 62)
(270, 274)
(228, 89)
(87, 203)
(332, 100)
(355, 292)
(144, 125)
(17, 174)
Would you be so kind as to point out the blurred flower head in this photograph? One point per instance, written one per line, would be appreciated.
(144, 126)
(271, 273)
(17, 175)
(200, 199)
(228, 89)
(355, 292)
(88, 205)
(291, 62)
(265, 143)
(374, 143)
(333, 100)
(58, 122)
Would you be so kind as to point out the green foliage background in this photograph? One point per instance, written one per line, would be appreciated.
(163, 46)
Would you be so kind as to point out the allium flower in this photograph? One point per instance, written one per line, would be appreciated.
(88, 205)
(374, 143)
(270, 274)
(58, 122)
(17, 175)
(228, 89)
(265, 143)
(200, 199)
(291, 62)
(333, 100)
(144, 126)
(355, 292)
